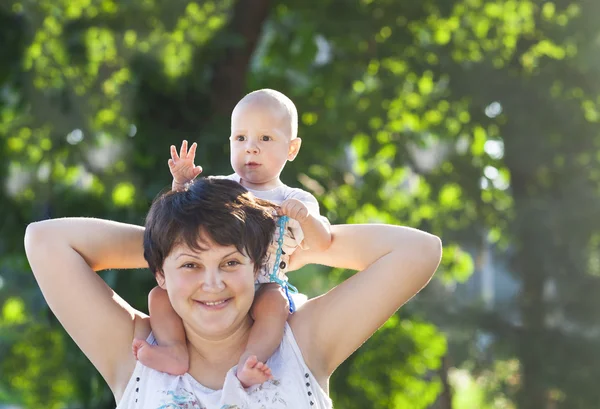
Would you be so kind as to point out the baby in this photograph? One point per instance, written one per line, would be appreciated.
(264, 127)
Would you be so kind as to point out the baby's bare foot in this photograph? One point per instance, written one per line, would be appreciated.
(253, 372)
(170, 359)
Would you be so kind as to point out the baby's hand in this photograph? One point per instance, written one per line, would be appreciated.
(294, 209)
(182, 166)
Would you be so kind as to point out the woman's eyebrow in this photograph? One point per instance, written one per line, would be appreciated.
(198, 258)
(229, 254)
(188, 255)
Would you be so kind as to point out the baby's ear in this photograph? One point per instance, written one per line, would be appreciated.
(294, 148)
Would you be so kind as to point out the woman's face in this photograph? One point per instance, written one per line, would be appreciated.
(211, 290)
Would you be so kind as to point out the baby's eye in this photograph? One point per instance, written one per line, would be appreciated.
(266, 138)
(240, 138)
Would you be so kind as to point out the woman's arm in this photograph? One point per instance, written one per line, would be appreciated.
(63, 254)
(396, 262)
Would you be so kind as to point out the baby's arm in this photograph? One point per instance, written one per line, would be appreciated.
(316, 229)
(182, 166)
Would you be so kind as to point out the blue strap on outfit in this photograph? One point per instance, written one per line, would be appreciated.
(281, 223)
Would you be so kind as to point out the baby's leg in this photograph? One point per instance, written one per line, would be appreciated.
(270, 311)
(171, 354)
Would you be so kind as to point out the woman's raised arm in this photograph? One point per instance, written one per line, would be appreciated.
(396, 262)
(63, 254)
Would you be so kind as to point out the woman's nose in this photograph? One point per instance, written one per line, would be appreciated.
(213, 282)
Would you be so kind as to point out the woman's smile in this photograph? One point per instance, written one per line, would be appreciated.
(214, 305)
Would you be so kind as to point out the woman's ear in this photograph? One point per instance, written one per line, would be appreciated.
(160, 280)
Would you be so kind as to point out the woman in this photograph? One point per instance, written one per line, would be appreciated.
(204, 246)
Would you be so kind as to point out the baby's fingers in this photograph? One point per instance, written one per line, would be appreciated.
(192, 152)
(183, 151)
(174, 155)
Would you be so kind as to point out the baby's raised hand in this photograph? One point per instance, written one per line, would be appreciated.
(182, 166)
(294, 209)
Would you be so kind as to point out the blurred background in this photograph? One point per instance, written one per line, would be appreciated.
(475, 120)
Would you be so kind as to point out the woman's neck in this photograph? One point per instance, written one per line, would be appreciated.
(211, 359)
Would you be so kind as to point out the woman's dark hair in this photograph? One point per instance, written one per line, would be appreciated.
(222, 209)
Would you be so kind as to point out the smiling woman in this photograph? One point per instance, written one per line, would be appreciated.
(205, 246)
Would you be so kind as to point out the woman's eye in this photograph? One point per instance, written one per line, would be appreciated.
(189, 265)
(232, 263)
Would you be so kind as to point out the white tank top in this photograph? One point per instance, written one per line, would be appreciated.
(293, 386)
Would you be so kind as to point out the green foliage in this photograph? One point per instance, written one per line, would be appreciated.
(489, 389)
(419, 345)
(475, 120)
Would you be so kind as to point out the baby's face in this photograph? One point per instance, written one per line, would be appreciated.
(261, 144)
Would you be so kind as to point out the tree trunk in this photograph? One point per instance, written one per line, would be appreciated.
(230, 71)
(532, 392)
(445, 399)
(530, 268)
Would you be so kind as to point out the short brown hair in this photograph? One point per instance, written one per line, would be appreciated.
(220, 208)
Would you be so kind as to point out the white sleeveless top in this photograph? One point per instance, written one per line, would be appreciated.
(293, 386)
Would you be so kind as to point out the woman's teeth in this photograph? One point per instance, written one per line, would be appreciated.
(214, 303)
